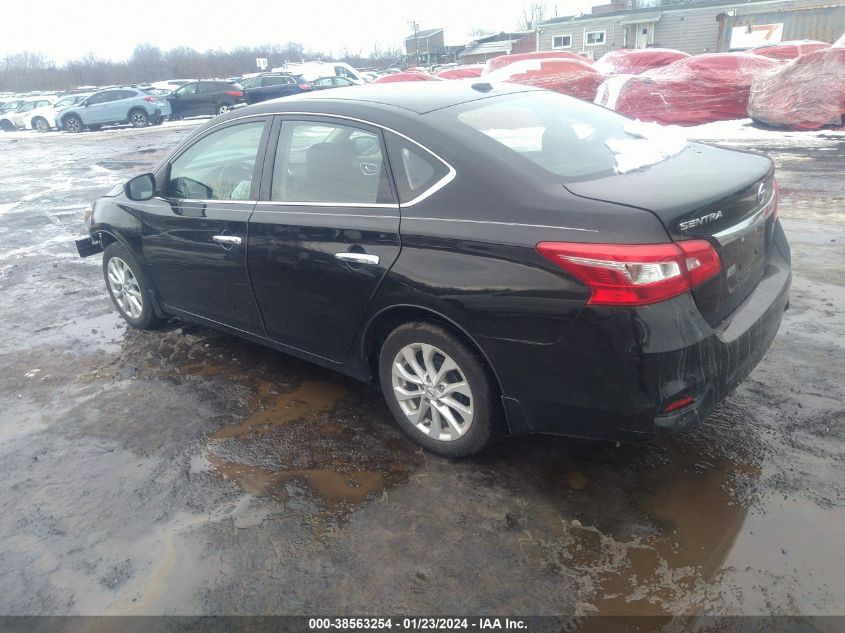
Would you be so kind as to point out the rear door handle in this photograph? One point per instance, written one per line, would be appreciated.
(228, 240)
(357, 258)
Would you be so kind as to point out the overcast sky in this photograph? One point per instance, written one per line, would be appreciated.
(67, 30)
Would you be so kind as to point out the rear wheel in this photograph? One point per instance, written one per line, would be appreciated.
(128, 287)
(223, 108)
(438, 389)
(40, 124)
(139, 118)
(72, 123)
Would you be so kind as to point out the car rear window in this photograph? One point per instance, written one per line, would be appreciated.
(570, 138)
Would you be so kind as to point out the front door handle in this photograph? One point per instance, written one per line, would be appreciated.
(228, 240)
(357, 258)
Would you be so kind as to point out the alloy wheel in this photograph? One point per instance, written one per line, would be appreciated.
(73, 125)
(41, 125)
(139, 119)
(432, 392)
(223, 109)
(124, 288)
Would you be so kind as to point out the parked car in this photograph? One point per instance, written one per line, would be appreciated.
(322, 83)
(113, 107)
(169, 85)
(43, 119)
(312, 70)
(273, 86)
(552, 288)
(18, 118)
(10, 105)
(208, 97)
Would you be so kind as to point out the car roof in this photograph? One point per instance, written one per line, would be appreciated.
(417, 97)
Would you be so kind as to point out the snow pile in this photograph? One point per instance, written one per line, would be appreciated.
(647, 144)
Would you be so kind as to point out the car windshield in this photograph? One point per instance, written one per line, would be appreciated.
(569, 138)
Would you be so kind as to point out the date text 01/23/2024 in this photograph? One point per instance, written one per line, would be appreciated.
(416, 624)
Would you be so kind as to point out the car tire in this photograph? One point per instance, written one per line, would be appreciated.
(139, 118)
(72, 123)
(6, 126)
(157, 120)
(40, 123)
(223, 108)
(128, 287)
(465, 416)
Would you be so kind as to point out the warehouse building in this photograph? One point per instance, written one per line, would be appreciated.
(693, 27)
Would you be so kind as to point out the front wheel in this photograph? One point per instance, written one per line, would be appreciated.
(139, 118)
(128, 287)
(438, 389)
(72, 124)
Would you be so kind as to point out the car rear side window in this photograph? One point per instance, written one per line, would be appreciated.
(219, 166)
(277, 81)
(567, 137)
(329, 163)
(415, 169)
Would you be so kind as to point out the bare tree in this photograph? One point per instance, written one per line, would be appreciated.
(532, 14)
(26, 71)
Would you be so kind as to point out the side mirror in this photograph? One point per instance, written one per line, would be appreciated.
(140, 188)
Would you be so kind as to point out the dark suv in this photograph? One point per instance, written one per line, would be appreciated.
(205, 97)
(272, 86)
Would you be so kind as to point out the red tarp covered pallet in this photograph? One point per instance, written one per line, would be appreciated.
(700, 89)
(505, 60)
(789, 50)
(805, 94)
(637, 60)
(408, 75)
(461, 72)
(567, 76)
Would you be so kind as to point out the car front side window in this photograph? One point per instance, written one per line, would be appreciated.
(219, 166)
(329, 163)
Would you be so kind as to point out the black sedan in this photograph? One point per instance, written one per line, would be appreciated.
(486, 254)
(207, 97)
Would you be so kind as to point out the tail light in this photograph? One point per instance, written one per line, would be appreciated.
(680, 403)
(638, 274)
(150, 98)
(235, 93)
(305, 86)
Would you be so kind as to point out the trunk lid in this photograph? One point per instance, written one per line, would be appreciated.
(705, 192)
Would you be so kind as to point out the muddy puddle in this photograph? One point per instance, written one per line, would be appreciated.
(289, 426)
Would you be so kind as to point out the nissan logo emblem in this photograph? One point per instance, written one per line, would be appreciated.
(761, 193)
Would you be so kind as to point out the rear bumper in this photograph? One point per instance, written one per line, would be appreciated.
(615, 370)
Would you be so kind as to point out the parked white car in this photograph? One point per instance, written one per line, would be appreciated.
(44, 119)
(19, 117)
(314, 70)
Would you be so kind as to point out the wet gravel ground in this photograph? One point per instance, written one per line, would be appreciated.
(185, 471)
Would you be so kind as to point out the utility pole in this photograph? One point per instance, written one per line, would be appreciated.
(416, 27)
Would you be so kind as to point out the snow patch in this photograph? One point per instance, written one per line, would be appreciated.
(647, 144)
